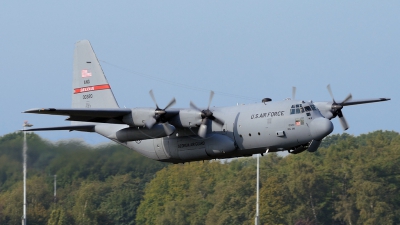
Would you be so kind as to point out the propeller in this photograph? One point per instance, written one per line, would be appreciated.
(206, 115)
(337, 108)
(159, 115)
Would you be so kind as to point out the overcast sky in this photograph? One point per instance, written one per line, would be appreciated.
(243, 50)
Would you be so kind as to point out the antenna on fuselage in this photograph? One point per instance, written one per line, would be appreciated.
(293, 93)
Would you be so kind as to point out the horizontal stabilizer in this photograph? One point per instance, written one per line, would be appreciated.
(86, 128)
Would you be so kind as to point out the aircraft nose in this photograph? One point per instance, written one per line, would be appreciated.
(320, 127)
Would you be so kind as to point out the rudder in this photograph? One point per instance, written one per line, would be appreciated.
(90, 86)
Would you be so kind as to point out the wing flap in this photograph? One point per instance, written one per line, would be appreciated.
(117, 120)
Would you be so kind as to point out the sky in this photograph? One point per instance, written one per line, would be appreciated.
(242, 50)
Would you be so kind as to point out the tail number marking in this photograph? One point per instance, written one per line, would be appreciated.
(87, 96)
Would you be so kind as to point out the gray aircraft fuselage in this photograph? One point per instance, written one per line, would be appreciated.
(248, 129)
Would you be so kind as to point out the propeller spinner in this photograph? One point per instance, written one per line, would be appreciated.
(337, 108)
(159, 115)
(206, 115)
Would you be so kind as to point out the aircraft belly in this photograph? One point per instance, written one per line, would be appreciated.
(159, 144)
(144, 147)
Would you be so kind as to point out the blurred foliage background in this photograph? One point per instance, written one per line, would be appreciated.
(349, 180)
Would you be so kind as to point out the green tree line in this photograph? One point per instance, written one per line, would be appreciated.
(349, 180)
(95, 185)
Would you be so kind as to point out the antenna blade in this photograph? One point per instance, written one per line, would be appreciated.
(293, 93)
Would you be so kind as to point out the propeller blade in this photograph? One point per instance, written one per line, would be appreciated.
(348, 98)
(154, 99)
(168, 130)
(211, 97)
(293, 93)
(206, 114)
(150, 122)
(330, 92)
(343, 120)
(203, 130)
(194, 106)
(338, 108)
(218, 121)
(171, 103)
(344, 123)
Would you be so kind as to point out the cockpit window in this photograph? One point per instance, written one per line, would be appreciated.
(298, 108)
(313, 107)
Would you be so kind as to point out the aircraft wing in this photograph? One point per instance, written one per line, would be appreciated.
(363, 101)
(86, 128)
(98, 115)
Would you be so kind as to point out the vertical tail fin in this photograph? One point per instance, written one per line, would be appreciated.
(90, 86)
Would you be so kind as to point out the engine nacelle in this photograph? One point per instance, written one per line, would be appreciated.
(187, 118)
(138, 116)
(325, 108)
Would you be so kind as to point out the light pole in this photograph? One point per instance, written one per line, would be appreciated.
(257, 219)
(24, 156)
(55, 189)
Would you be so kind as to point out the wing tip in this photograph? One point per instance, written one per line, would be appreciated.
(31, 110)
(36, 110)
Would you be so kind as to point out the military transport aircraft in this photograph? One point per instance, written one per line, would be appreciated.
(191, 134)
